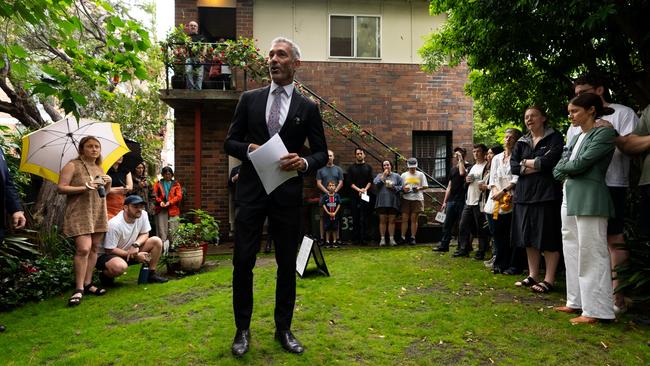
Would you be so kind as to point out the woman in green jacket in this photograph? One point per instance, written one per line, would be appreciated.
(587, 206)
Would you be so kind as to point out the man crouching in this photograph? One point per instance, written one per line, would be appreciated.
(127, 242)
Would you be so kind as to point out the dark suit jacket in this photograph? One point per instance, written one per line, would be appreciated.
(9, 198)
(249, 127)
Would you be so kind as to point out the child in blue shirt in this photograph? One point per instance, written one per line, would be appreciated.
(331, 203)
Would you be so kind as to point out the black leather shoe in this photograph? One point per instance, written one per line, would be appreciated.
(156, 278)
(241, 342)
(440, 249)
(288, 341)
(460, 254)
(479, 256)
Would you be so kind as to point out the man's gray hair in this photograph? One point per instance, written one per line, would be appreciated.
(295, 50)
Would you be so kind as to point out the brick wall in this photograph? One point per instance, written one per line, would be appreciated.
(392, 100)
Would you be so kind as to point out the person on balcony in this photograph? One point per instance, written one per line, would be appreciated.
(194, 63)
(260, 114)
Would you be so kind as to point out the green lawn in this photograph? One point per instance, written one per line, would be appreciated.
(388, 306)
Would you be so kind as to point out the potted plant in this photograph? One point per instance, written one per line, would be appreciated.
(186, 238)
(208, 228)
(176, 50)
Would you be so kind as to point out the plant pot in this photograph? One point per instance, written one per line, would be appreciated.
(178, 82)
(204, 248)
(191, 259)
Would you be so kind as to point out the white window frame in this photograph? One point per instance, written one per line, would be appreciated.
(354, 34)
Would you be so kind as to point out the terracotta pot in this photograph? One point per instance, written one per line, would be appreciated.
(191, 259)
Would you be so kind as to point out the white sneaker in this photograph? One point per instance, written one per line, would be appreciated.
(382, 242)
(620, 310)
(490, 262)
(392, 242)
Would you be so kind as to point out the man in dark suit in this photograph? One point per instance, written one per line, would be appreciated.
(10, 203)
(260, 114)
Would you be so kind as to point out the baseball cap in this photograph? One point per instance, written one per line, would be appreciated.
(133, 200)
(412, 163)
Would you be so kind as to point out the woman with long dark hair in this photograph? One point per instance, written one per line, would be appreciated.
(84, 183)
(587, 205)
(122, 184)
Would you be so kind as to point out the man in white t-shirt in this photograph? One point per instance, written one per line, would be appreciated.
(412, 198)
(624, 120)
(127, 242)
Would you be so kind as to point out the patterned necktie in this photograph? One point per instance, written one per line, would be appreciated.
(274, 115)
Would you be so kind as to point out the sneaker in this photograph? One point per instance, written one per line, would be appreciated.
(618, 310)
(155, 278)
(412, 241)
(382, 242)
(490, 262)
(392, 242)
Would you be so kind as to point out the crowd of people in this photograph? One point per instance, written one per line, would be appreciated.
(107, 217)
(395, 195)
(544, 196)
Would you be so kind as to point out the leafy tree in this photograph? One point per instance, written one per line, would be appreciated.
(49, 47)
(525, 52)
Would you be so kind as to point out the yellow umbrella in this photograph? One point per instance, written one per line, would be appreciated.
(47, 150)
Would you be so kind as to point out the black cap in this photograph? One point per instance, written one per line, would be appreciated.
(133, 200)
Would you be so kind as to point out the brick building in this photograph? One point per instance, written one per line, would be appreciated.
(362, 55)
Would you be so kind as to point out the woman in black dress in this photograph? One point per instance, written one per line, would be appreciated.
(537, 223)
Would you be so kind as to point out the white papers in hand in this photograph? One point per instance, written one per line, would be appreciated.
(266, 160)
(365, 197)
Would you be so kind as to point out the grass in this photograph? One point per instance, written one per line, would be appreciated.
(393, 306)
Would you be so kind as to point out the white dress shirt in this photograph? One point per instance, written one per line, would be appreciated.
(286, 101)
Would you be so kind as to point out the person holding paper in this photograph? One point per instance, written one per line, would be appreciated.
(261, 114)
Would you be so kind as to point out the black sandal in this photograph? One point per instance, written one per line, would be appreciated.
(526, 282)
(542, 287)
(97, 292)
(76, 300)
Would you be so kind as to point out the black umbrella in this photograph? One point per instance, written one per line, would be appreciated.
(133, 157)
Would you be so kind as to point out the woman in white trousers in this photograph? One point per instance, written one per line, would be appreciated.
(585, 209)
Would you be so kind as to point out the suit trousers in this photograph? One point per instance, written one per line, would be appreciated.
(284, 226)
(588, 268)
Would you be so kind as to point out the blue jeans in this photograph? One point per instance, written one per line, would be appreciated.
(453, 211)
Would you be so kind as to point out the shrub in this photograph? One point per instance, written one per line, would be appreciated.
(35, 280)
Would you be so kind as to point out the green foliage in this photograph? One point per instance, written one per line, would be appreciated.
(238, 54)
(10, 143)
(53, 45)
(208, 226)
(34, 280)
(13, 249)
(53, 244)
(188, 234)
(527, 52)
(185, 235)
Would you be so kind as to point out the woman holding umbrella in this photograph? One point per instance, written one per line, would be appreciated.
(84, 183)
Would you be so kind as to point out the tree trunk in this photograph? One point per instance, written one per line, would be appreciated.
(49, 208)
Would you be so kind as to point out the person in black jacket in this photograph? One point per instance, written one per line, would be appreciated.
(536, 222)
(260, 114)
(10, 203)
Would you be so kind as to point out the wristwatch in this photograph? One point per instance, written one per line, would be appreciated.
(505, 190)
(136, 245)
